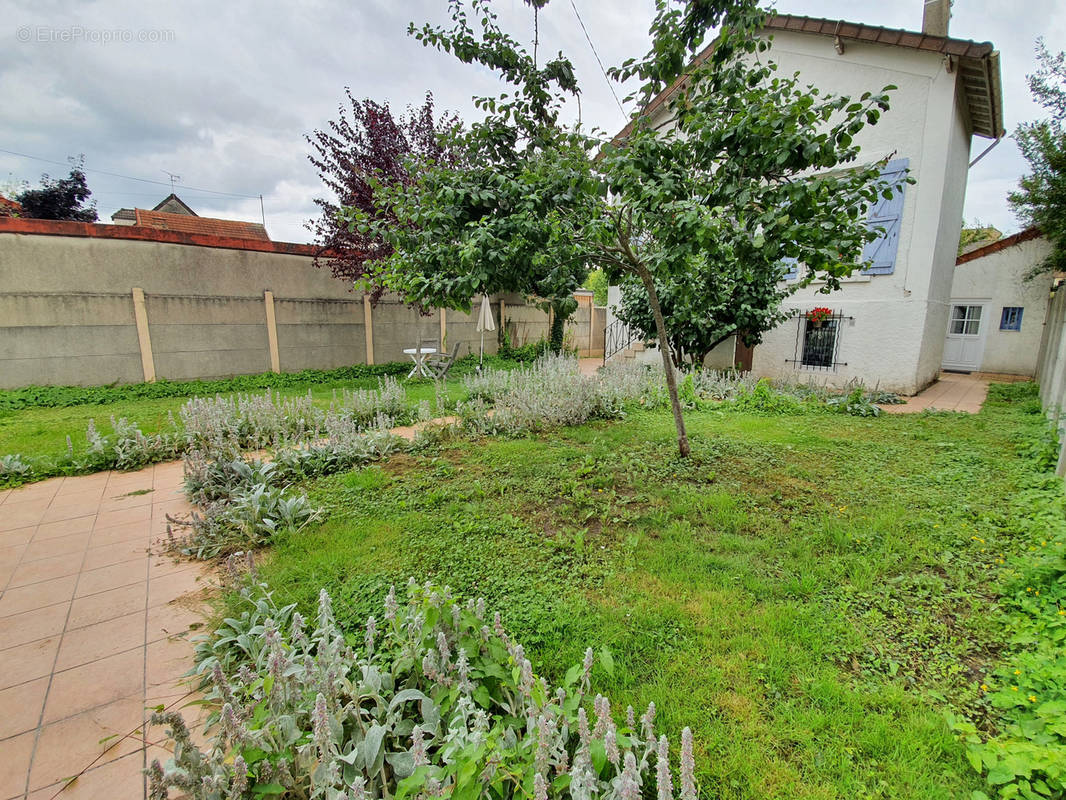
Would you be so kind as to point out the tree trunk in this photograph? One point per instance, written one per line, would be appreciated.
(668, 365)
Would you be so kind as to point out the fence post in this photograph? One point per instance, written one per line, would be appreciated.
(272, 331)
(144, 340)
(368, 323)
(443, 328)
(503, 319)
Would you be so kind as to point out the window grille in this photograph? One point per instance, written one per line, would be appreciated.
(818, 341)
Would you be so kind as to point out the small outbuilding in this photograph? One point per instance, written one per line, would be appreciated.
(997, 312)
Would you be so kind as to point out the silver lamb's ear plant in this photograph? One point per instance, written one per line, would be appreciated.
(319, 719)
(688, 767)
(664, 783)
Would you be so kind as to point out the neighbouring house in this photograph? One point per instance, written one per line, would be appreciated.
(9, 208)
(171, 204)
(997, 316)
(173, 214)
(888, 324)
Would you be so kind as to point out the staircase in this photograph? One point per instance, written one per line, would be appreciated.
(620, 341)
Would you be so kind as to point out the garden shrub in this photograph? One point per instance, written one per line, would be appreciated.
(552, 392)
(762, 398)
(437, 701)
(244, 502)
(223, 425)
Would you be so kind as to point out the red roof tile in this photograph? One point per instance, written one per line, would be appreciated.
(9, 208)
(999, 244)
(183, 223)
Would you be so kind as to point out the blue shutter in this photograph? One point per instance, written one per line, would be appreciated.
(791, 268)
(887, 214)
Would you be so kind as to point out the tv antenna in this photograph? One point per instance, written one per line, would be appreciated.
(173, 179)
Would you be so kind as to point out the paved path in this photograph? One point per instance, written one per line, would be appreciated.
(94, 628)
(953, 392)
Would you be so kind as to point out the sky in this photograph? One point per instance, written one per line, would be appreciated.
(223, 94)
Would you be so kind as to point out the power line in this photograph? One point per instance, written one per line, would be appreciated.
(131, 177)
(593, 47)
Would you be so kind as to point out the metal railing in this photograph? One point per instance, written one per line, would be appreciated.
(818, 340)
(617, 337)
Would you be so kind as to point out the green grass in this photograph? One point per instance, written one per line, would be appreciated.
(809, 593)
(43, 432)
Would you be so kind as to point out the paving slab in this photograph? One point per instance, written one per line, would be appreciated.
(95, 628)
(951, 391)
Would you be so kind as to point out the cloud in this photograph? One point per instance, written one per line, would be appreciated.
(223, 94)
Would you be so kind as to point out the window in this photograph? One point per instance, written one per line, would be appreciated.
(887, 215)
(1011, 319)
(819, 344)
(965, 320)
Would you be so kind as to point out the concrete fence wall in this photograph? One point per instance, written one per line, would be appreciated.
(88, 304)
(1051, 368)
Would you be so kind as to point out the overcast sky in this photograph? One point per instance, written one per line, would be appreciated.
(223, 94)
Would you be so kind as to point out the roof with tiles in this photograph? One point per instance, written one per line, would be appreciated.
(978, 64)
(999, 244)
(184, 223)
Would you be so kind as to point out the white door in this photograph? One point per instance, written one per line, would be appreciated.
(965, 342)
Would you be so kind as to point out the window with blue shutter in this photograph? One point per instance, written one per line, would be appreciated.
(790, 267)
(887, 214)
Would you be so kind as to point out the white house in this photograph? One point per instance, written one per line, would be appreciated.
(888, 325)
(997, 317)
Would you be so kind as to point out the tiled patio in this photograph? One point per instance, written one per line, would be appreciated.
(93, 629)
(953, 392)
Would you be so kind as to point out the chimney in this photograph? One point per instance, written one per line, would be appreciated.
(936, 17)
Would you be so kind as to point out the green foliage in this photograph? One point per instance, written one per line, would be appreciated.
(1025, 755)
(67, 396)
(856, 402)
(597, 282)
(248, 518)
(490, 221)
(1040, 199)
(978, 235)
(432, 702)
(703, 211)
(60, 198)
(126, 448)
(764, 399)
(528, 352)
(820, 580)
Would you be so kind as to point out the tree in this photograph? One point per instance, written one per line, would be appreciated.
(1040, 200)
(757, 170)
(705, 307)
(977, 235)
(492, 223)
(597, 282)
(60, 198)
(366, 147)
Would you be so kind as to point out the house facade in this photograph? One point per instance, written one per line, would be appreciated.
(997, 313)
(888, 324)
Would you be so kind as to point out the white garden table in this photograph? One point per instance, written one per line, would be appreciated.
(419, 356)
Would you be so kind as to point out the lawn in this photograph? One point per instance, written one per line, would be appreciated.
(43, 432)
(809, 593)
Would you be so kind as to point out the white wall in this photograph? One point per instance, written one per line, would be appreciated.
(1000, 278)
(888, 339)
(894, 336)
